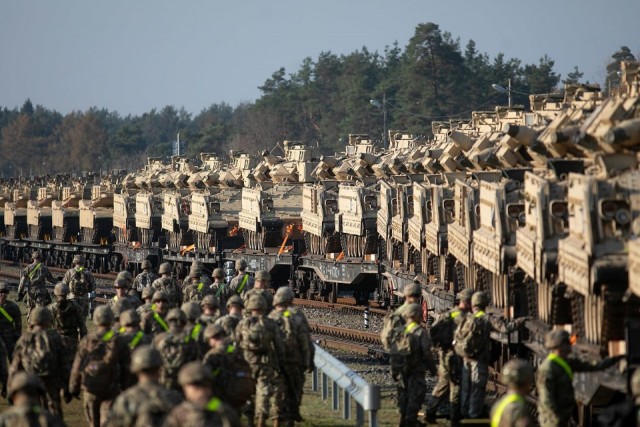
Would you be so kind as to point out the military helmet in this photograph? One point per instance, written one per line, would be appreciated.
(78, 259)
(556, 339)
(195, 373)
(120, 306)
(61, 289)
(160, 296)
(262, 275)
(241, 264)
(517, 373)
(191, 310)
(218, 272)
(412, 290)
(125, 275)
(24, 380)
(465, 295)
(121, 283)
(284, 295)
(412, 310)
(147, 292)
(256, 302)
(145, 358)
(213, 330)
(146, 264)
(129, 318)
(40, 316)
(4, 287)
(165, 268)
(635, 383)
(480, 299)
(103, 316)
(177, 315)
(210, 300)
(36, 255)
(235, 300)
(194, 274)
(196, 265)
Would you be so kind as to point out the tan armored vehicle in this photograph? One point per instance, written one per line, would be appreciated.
(97, 216)
(65, 214)
(39, 214)
(319, 207)
(356, 218)
(124, 223)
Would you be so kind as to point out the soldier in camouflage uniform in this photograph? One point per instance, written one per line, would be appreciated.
(262, 287)
(230, 321)
(200, 407)
(175, 347)
(294, 330)
(130, 330)
(555, 379)
(197, 289)
(81, 283)
(210, 310)
(197, 270)
(153, 322)
(411, 382)
(122, 294)
(449, 363)
(126, 275)
(512, 409)
(144, 279)
(147, 403)
(194, 327)
(412, 295)
(41, 352)
(117, 309)
(25, 393)
(243, 281)
(221, 289)
(261, 343)
(10, 320)
(68, 320)
(147, 296)
(33, 282)
(100, 368)
(168, 284)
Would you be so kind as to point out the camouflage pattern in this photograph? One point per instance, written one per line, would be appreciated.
(33, 281)
(191, 414)
(145, 404)
(144, 309)
(514, 414)
(10, 325)
(196, 291)
(176, 349)
(78, 292)
(229, 322)
(222, 291)
(236, 283)
(203, 278)
(4, 368)
(144, 280)
(264, 293)
(69, 321)
(29, 414)
(152, 323)
(171, 287)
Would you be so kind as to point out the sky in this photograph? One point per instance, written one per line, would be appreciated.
(133, 56)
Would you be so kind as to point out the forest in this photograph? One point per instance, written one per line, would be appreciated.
(327, 98)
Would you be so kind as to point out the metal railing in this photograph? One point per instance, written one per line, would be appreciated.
(367, 397)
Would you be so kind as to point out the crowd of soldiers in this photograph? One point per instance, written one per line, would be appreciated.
(461, 338)
(161, 352)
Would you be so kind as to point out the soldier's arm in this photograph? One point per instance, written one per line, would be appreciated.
(278, 343)
(547, 389)
(48, 276)
(82, 325)
(304, 343)
(24, 283)
(16, 361)
(17, 320)
(579, 365)
(425, 344)
(65, 373)
(92, 282)
(67, 277)
(75, 377)
(500, 325)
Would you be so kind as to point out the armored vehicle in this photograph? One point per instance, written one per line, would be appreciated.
(319, 206)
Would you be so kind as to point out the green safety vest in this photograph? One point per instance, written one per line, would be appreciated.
(243, 283)
(35, 269)
(502, 405)
(160, 321)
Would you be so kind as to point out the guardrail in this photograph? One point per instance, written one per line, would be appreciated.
(366, 396)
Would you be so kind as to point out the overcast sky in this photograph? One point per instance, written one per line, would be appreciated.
(132, 56)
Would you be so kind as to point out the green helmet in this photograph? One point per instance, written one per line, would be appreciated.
(210, 300)
(145, 358)
(262, 275)
(120, 306)
(160, 296)
(465, 295)
(195, 373)
(284, 295)
(129, 318)
(556, 339)
(635, 383)
(165, 268)
(146, 264)
(36, 255)
(196, 265)
(126, 275)
(213, 330)
(235, 300)
(61, 290)
(176, 315)
(218, 272)
(147, 292)
(412, 290)
(517, 373)
(191, 310)
(480, 299)
(78, 259)
(121, 283)
(24, 380)
(256, 302)
(411, 311)
(40, 316)
(241, 264)
(103, 316)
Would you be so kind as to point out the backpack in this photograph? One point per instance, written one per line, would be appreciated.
(100, 371)
(400, 350)
(391, 324)
(469, 338)
(257, 336)
(154, 409)
(442, 331)
(37, 356)
(78, 284)
(239, 384)
(174, 349)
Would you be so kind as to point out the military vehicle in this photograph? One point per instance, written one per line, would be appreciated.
(319, 206)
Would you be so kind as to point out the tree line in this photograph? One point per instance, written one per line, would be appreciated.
(432, 78)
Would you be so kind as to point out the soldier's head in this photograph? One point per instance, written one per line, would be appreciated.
(194, 276)
(40, 318)
(262, 279)
(130, 320)
(165, 269)
(412, 293)
(120, 306)
(146, 362)
(209, 305)
(191, 310)
(412, 313)
(464, 299)
(121, 287)
(517, 374)
(24, 387)
(60, 292)
(146, 265)
(103, 316)
(36, 256)
(196, 265)
(147, 294)
(558, 342)
(218, 275)
(283, 298)
(257, 305)
(635, 384)
(235, 305)
(78, 260)
(160, 301)
(176, 319)
(196, 381)
(479, 301)
(125, 275)
(241, 265)
(4, 292)
(215, 335)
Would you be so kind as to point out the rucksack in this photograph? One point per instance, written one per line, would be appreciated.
(100, 371)
(37, 356)
(442, 331)
(391, 324)
(257, 336)
(78, 284)
(400, 348)
(154, 409)
(239, 384)
(469, 338)
(174, 351)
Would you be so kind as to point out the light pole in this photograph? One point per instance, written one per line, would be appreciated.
(383, 107)
(618, 73)
(508, 90)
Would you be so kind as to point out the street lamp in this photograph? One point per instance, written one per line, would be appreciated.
(508, 90)
(382, 106)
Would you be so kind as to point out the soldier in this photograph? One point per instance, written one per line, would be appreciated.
(175, 347)
(147, 403)
(197, 289)
(144, 279)
(130, 330)
(261, 286)
(449, 363)
(25, 393)
(10, 320)
(210, 312)
(100, 368)
(147, 296)
(200, 408)
(196, 269)
(220, 288)
(117, 309)
(512, 410)
(473, 343)
(294, 330)
(41, 352)
(81, 283)
(34, 279)
(261, 344)
(68, 320)
(555, 379)
(417, 359)
(230, 321)
(194, 327)
(168, 284)
(121, 287)
(126, 275)
(243, 281)
(153, 322)
(395, 321)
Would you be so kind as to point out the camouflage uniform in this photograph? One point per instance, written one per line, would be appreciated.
(206, 281)
(511, 409)
(243, 281)
(170, 286)
(69, 321)
(10, 321)
(4, 368)
(144, 279)
(229, 322)
(209, 302)
(196, 291)
(79, 290)
(263, 293)
(146, 306)
(134, 337)
(28, 411)
(221, 289)
(34, 278)
(153, 322)
(194, 327)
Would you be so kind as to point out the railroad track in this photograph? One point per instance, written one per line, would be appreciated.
(348, 308)
(106, 276)
(347, 339)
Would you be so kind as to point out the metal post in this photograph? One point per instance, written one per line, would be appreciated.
(346, 410)
(314, 379)
(509, 92)
(335, 397)
(384, 120)
(366, 317)
(325, 386)
(359, 415)
(373, 418)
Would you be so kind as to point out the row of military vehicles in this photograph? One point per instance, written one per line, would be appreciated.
(539, 208)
